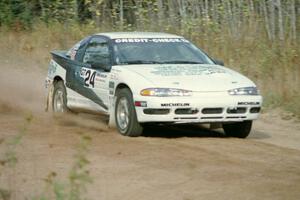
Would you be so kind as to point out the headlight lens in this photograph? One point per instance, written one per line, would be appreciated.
(165, 92)
(244, 91)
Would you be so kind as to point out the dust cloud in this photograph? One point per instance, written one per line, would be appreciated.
(22, 90)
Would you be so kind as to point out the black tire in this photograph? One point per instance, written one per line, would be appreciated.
(126, 119)
(59, 94)
(238, 129)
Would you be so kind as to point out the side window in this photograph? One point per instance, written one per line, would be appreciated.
(75, 52)
(97, 53)
(72, 52)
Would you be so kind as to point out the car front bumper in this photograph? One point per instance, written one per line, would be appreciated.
(200, 108)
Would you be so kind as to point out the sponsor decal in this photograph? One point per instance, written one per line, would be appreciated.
(89, 77)
(181, 70)
(146, 40)
(100, 77)
(73, 54)
(174, 104)
(89, 80)
(113, 76)
(140, 103)
(52, 68)
(97, 79)
(248, 103)
(111, 84)
(82, 72)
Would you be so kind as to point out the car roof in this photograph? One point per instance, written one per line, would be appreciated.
(116, 35)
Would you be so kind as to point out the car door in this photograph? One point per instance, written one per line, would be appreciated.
(86, 75)
(96, 66)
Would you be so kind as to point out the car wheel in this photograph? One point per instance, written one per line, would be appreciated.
(238, 129)
(59, 101)
(125, 115)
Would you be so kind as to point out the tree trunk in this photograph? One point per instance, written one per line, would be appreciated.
(267, 25)
(272, 19)
(280, 21)
(121, 14)
(293, 20)
(206, 10)
(172, 13)
(160, 13)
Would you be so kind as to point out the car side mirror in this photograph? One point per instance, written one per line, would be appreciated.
(100, 66)
(100, 62)
(219, 62)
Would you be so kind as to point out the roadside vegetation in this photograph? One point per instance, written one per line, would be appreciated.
(9, 158)
(78, 178)
(258, 38)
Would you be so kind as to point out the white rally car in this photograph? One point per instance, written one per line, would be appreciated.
(147, 78)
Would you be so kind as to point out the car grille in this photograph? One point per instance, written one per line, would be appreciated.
(186, 111)
(150, 111)
(255, 110)
(238, 110)
(212, 110)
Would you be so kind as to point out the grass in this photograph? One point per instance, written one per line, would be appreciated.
(78, 180)
(9, 158)
(273, 66)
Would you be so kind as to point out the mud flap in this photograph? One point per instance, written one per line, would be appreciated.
(112, 121)
(49, 98)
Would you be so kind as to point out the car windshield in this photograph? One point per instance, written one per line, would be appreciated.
(158, 51)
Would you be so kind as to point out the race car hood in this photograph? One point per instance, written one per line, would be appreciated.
(195, 77)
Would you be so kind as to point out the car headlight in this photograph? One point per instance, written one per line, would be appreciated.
(165, 92)
(244, 91)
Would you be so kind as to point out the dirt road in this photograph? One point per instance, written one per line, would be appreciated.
(178, 164)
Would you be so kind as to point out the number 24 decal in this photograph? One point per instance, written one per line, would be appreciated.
(89, 78)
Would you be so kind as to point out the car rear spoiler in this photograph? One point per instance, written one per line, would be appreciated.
(59, 53)
(62, 59)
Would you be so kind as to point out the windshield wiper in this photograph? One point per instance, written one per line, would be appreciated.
(182, 62)
(130, 62)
